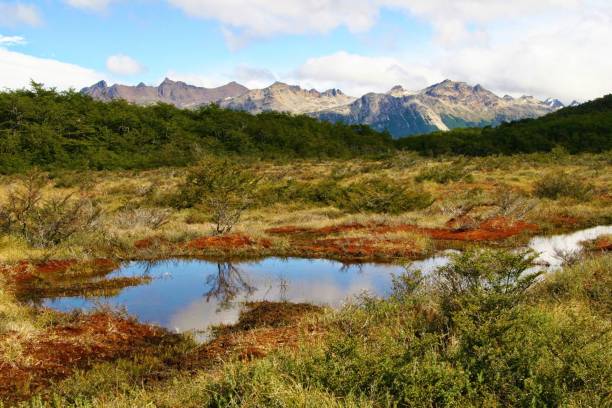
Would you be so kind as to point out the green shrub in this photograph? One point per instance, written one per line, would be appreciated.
(481, 281)
(377, 195)
(558, 185)
(444, 173)
(382, 195)
(221, 188)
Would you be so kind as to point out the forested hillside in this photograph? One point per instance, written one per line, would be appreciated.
(584, 128)
(49, 129)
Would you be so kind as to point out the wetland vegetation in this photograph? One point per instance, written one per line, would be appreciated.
(485, 326)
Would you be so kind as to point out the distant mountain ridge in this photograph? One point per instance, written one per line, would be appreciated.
(443, 106)
(177, 93)
(287, 98)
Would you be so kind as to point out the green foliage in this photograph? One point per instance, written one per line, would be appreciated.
(376, 195)
(221, 188)
(444, 173)
(585, 128)
(68, 130)
(482, 281)
(382, 195)
(558, 185)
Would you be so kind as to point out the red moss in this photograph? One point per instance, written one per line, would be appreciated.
(490, 230)
(221, 242)
(55, 266)
(61, 350)
(262, 327)
(603, 244)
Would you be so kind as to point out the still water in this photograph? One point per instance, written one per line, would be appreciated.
(191, 295)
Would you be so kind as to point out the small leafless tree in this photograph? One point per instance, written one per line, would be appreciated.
(44, 222)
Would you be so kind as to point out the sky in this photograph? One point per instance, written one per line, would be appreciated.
(544, 48)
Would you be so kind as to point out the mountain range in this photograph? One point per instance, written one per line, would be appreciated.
(443, 106)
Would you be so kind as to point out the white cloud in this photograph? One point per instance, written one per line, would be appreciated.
(246, 19)
(568, 57)
(453, 20)
(9, 40)
(124, 65)
(357, 74)
(92, 5)
(18, 69)
(565, 54)
(14, 14)
(457, 21)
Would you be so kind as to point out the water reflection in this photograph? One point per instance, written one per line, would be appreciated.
(193, 294)
(554, 251)
(186, 295)
(226, 284)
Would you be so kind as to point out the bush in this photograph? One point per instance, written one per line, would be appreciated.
(382, 195)
(221, 188)
(482, 281)
(444, 173)
(558, 185)
(45, 222)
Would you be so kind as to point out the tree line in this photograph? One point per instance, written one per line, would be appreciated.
(49, 129)
(584, 128)
(41, 127)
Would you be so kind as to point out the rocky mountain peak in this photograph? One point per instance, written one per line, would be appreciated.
(167, 82)
(554, 103)
(176, 93)
(398, 91)
(448, 88)
(101, 84)
(331, 92)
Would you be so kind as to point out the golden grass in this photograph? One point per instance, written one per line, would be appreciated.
(122, 193)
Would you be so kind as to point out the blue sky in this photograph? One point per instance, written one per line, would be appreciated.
(556, 48)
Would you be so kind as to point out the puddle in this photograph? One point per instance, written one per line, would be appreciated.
(552, 250)
(191, 295)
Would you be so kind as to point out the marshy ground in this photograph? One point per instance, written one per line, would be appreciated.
(393, 210)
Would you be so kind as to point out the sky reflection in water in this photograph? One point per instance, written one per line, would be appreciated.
(193, 294)
(187, 295)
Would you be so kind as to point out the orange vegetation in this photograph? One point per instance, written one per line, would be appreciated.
(25, 271)
(262, 328)
(58, 351)
(490, 230)
(358, 248)
(603, 244)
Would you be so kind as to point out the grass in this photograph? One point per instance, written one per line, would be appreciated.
(373, 352)
(550, 346)
(137, 205)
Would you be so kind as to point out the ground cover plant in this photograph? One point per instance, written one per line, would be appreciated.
(477, 333)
